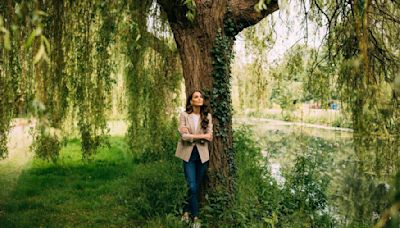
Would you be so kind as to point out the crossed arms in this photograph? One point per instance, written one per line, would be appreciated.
(186, 136)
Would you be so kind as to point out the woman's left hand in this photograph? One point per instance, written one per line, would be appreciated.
(208, 136)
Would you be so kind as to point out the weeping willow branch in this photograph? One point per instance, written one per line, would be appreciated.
(366, 61)
(152, 79)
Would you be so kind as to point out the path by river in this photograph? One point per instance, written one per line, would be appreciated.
(19, 157)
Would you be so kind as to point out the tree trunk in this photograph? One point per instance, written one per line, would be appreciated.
(194, 45)
(195, 41)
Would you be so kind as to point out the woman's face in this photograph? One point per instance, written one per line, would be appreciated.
(197, 99)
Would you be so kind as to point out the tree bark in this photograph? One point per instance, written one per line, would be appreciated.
(195, 41)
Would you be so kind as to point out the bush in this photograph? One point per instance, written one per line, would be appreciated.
(304, 193)
(260, 202)
(155, 190)
(162, 149)
(46, 147)
(257, 194)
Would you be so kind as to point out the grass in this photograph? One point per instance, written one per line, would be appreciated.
(10, 170)
(116, 189)
(109, 191)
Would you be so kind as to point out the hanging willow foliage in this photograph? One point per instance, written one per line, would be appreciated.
(152, 79)
(85, 84)
(254, 83)
(90, 81)
(21, 27)
(362, 49)
(50, 87)
(5, 83)
(59, 62)
(5, 91)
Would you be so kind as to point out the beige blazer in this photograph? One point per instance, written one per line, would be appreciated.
(186, 142)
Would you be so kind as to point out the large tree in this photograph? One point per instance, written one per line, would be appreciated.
(204, 32)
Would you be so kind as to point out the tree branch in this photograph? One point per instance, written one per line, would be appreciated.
(157, 44)
(161, 46)
(244, 13)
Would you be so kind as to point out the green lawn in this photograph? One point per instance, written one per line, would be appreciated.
(116, 189)
(110, 190)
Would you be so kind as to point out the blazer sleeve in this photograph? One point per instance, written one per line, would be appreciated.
(182, 123)
(210, 124)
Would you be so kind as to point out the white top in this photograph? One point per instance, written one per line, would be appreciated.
(195, 118)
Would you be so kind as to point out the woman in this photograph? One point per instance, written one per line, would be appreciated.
(195, 128)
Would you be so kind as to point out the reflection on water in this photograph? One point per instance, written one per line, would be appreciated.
(360, 169)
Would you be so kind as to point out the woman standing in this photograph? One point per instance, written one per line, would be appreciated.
(195, 128)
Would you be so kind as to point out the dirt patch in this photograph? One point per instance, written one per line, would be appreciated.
(19, 157)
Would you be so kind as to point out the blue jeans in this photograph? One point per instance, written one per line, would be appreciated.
(194, 173)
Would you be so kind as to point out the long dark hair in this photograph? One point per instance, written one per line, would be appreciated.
(203, 109)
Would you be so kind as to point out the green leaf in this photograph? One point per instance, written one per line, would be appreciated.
(7, 43)
(30, 39)
(190, 16)
(41, 13)
(38, 31)
(397, 83)
(191, 6)
(137, 37)
(46, 42)
(39, 54)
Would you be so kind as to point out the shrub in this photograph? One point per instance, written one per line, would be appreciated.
(155, 190)
(260, 202)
